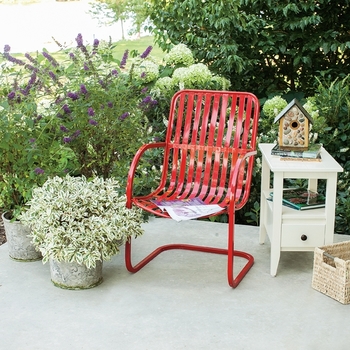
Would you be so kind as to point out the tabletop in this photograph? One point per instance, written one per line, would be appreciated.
(327, 164)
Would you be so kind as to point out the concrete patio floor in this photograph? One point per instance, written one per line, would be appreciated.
(181, 300)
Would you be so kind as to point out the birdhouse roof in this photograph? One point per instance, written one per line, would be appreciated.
(293, 103)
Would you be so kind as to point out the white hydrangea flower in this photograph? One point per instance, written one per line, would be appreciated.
(274, 106)
(162, 85)
(179, 55)
(311, 108)
(223, 83)
(181, 85)
(195, 76)
(147, 71)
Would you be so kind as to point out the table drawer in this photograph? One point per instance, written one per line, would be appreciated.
(297, 235)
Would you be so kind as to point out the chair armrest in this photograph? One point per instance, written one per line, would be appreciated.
(238, 178)
(133, 167)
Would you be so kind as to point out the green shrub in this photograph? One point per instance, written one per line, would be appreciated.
(333, 101)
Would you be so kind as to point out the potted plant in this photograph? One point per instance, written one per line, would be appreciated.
(77, 224)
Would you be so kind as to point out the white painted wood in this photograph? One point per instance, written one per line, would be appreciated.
(285, 226)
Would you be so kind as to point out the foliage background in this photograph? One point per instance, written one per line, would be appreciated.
(265, 45)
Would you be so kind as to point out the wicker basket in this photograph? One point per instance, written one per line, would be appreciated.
(331, 273)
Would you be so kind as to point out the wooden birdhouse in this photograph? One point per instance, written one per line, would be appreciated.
(294, 122)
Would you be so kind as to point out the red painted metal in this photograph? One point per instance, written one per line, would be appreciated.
(209, 154)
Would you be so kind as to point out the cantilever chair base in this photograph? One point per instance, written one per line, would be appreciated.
(232, 281)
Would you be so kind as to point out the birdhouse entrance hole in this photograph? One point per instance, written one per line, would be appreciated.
(294, 125)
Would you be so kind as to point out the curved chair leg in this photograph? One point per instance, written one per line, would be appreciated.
(232, 281)
(134, 268)
(231, 253)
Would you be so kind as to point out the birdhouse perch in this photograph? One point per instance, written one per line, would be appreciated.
(294, 123)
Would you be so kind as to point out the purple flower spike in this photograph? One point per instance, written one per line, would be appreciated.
(72, 56)
(39, 171)
(29, 58)
(114, 72)
(86, 67)
(96, 43)
(67, 139)
(91, 112)
(11, 95)
(63, 128)
(32, 140)
(32, 79)
(66, 109)
(143, 75)
(50, 58)
(147, 103)
(83, 89)
(76, 134)
(125, 57)
(79, 40)
(124, 115)
(110, 104)
(53, 76)
(93, 122)
(147, 52)
(7, 48)
(13, 59)
(146, 100)
(73, 95)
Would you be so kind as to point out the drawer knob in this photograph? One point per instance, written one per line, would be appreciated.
(303, 237)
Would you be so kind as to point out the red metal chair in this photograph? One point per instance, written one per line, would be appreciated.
(209, 154)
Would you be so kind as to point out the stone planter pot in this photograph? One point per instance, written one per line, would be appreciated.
(75, 276)
(19, 244)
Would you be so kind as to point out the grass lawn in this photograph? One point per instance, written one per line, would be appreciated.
(140, 45)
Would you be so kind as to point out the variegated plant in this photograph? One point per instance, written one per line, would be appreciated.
(73, 219)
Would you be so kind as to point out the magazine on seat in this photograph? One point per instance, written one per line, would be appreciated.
(187, 209)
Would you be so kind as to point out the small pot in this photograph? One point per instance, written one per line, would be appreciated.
(19, 244)
(75, 276)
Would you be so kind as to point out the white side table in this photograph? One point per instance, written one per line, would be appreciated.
(289, 229)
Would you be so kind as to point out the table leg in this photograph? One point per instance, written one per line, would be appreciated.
(312, 186)
(265, 186)
(277, 222)
(331, 192)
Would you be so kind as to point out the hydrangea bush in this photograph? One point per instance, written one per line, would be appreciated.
(178, 71)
